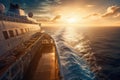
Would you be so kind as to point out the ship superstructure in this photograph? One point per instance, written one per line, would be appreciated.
(15, 28)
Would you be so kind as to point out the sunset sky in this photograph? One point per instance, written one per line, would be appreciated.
(83, 12)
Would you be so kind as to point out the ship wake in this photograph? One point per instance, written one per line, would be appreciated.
(74, 66)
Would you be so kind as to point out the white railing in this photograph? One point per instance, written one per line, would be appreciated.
(59, 63)
(6, 74)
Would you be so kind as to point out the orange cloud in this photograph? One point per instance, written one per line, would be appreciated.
(56, 18)
(89, 6)
(111, 11)
(117, 15)
(92, 15)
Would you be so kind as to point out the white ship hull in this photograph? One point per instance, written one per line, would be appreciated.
(16, 34)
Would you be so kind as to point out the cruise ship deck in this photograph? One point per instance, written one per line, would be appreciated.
(44, 66)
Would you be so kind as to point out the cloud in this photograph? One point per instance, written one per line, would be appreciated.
(92, 15)
(52, 2)
(111, 11)
(117, 15)
(56, 18)
(90, 6)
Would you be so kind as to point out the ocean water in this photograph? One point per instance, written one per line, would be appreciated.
(88, 53)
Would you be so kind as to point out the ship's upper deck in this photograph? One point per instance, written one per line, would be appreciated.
(39, 53)
(17, 18)
(17, 14)
(45, 65)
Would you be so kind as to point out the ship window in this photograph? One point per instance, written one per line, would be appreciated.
(16, 32)
(11, 33)
(25, 30)
(22, 31)
(5, 35)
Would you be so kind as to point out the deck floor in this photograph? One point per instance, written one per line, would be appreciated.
(43, 67)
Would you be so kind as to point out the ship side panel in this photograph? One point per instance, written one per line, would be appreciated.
(12, 34)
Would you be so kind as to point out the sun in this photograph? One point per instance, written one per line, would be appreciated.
(71, 20)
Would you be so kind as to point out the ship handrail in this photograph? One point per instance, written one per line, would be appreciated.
(28, 48)
(59, 63)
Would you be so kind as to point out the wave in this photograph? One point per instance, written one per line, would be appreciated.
(89, 54)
